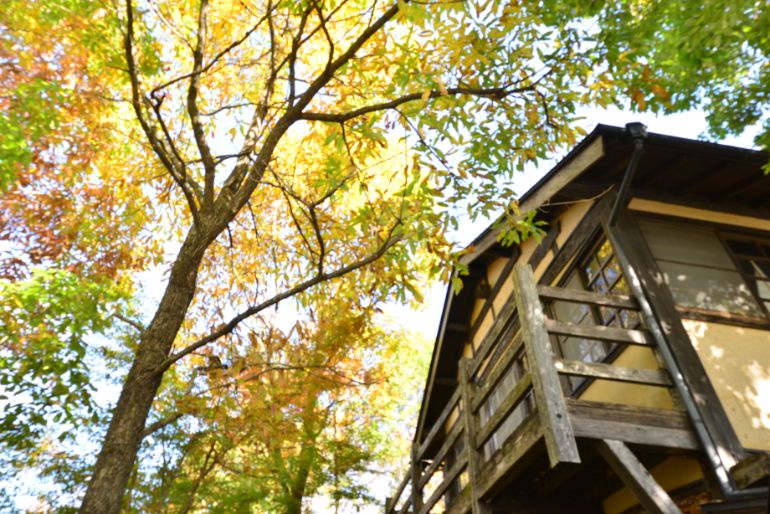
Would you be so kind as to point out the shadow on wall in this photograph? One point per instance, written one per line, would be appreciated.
(737, 361)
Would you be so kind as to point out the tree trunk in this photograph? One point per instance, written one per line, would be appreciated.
(125, 433)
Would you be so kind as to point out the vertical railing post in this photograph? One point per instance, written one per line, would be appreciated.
(416, 477)
(549, 399)
(470, 429)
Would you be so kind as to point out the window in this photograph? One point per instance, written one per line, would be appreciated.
(711, 271)
(597, 271)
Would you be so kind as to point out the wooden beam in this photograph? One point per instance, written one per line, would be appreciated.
(449, 441)
(599, 332)
(543, 192)
(633, 425)
(650, 494)
(438, 426)
(590, 297)
(579, 238)
(510, 459)
(491, 339)
(416, 476)
(545, 245)
(751, 470)
(491, 379)
(656, 377)
(511, 401)
(470, 430)
(551, 407)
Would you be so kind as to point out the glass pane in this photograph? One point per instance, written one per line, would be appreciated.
(691, 245)
(710, 289)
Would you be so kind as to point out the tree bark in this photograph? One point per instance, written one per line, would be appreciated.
(126, 430)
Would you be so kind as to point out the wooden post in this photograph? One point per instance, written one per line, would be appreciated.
(650, 494)
(551, 407)
(470, 427)
(416, 476)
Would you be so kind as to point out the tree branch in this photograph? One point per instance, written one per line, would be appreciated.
(228, 327)
(497, 93)
(162, 423)
(192, 108)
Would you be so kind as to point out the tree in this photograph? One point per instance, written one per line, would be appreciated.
(252, 135)
(683, 55)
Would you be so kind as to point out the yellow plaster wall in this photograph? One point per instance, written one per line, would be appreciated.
(737, 361)
(631, 394)
(672, 473)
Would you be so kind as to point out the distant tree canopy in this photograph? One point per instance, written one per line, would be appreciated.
(287, 168)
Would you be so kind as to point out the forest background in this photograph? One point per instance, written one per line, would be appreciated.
(291, 170)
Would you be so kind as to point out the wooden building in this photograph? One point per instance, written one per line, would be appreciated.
(619, 364)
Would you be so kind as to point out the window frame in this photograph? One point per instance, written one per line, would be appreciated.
(723, 233)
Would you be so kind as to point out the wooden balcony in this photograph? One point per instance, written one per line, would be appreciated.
(510, 411)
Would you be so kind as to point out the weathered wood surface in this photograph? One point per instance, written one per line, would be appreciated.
(635, 425)
(511, 401)
(470, 429)
(751, 470)
(590, 297)
(491, 339)
(543, 192)
(599, 332)
(438, 426)
(656, 377)
(500, 368)
(416, 475)
(650, 494)
(449, 476)
(450, 440)
(509, 459)
(549, 398)
(390, 504)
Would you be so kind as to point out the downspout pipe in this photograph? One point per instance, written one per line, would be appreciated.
(638, 132)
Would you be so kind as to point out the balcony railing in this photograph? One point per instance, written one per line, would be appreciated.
(511, 396)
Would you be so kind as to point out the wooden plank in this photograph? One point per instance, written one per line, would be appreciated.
(416, 476)
(599, 332)
(391, 503)
(657, 377)
(438, 426)
(505, 408)
(491, 380)
(650, 494)
(545, 245)
(627, 234)
(549, 398)
(590, 297)
(470, 430)
(628, 413)
(578, 239)
(449, 476)
(751, 470)
(631, 424)
(491, 339)
(449, 442)
(502, 464)
(664, 437)
(543, 191)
